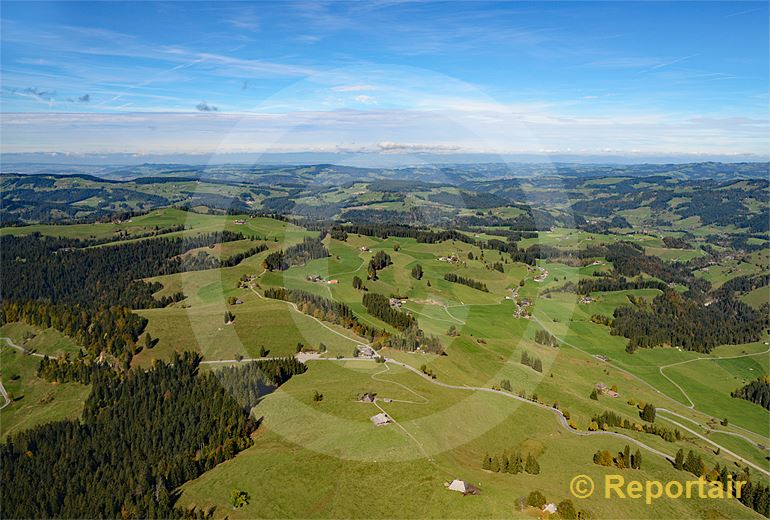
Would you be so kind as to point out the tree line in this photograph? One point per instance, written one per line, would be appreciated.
(757, 391)
(623, 460)
(546, 338)
(511, 462)
(324, 309)
(531, 361)
(470, 282)
(754, 495)
(609, 419)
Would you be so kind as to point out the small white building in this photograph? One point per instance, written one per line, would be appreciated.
(462, 487)
(549, 508)
(381, 419)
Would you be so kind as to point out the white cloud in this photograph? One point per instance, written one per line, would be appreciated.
(352, 88)
(363, 98)
(381, 131)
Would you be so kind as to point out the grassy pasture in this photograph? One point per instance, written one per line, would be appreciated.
(323, 459)
(35, 401)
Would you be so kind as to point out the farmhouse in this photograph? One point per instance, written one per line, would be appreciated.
(240, 221)
(366, 351)
(368, 397)
(604, 390)
(381, 419)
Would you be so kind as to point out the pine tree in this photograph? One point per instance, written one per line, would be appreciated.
(495, 464)
(627, 456)
(531, 466)
(679, 459)
(648, 413)
(637, 460)
(486, 462)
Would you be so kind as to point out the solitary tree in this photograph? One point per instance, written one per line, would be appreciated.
(239, 498)
(536, 499)
(566, 510)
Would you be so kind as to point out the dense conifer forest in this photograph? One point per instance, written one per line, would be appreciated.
(379, 305)
(64, 271)
(142, 435)
(673, 319)
(111, 329)
(300, 254)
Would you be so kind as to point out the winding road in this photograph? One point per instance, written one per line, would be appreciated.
(692, 404)
(639, 379)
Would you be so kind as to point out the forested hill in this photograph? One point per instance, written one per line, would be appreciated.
(715, 193)
(142, 436)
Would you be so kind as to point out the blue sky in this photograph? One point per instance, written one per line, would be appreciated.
(682, 78)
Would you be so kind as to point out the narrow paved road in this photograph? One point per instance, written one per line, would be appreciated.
(644, 382)
(707, 358)
(324, 325)
(558, 413)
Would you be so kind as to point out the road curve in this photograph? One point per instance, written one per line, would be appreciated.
(644, 382)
